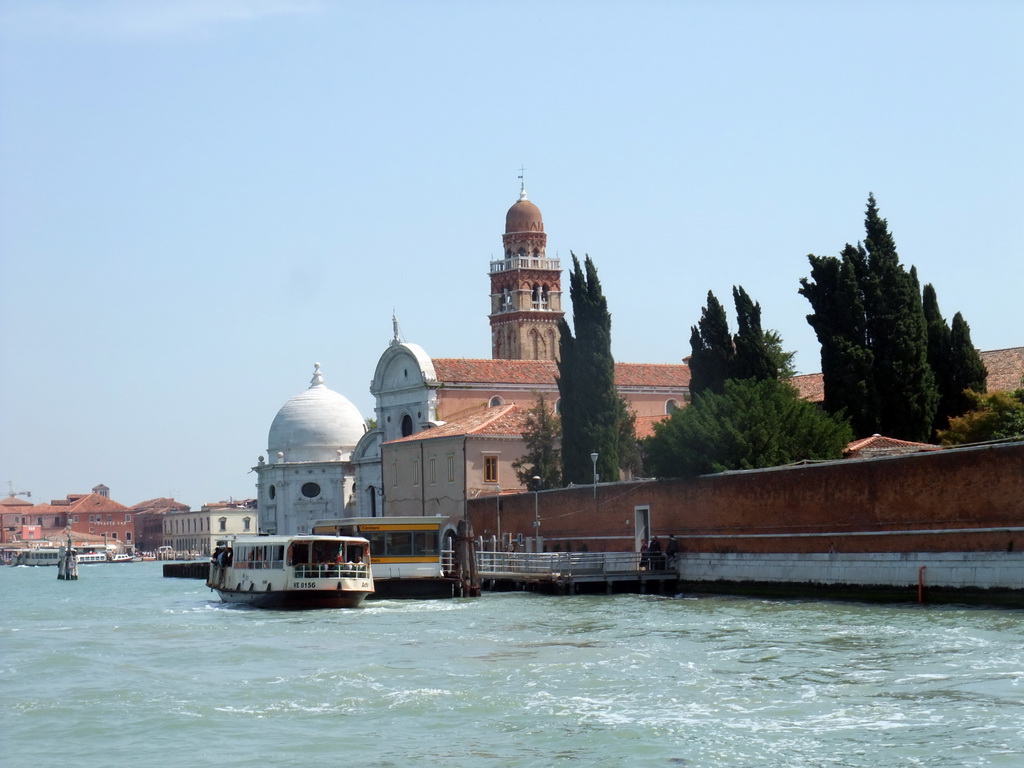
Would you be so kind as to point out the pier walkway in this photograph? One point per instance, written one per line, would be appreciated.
(574, 572)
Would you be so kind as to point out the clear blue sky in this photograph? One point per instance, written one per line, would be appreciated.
(200, 199)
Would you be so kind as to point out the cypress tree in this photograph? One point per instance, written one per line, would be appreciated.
(898, 335)
(586, 381)
(839, 322)
(754, 356)
(712, 350)
(939, 347)
(968, 370)
(869, 318)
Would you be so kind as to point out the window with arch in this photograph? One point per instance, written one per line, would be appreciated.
(671, 406)
(223, 524)
(495, 401)
(406, 425)
(246, 521)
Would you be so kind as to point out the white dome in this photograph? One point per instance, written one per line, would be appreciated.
(315, 425)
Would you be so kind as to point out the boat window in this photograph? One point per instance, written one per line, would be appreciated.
(399, 543)
(425, 543)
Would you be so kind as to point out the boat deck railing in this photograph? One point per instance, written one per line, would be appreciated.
(331, 571)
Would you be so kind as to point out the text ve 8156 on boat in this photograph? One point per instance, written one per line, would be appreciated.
(292, 571)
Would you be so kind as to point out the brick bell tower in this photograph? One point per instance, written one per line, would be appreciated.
(526, 289)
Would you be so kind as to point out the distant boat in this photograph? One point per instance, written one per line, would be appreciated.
(292, 571)
(38, 556)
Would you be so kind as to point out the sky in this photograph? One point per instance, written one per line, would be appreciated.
(201, 199)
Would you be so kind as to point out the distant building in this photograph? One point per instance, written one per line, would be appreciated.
(197, 532)
(97, 514)
(149, 521)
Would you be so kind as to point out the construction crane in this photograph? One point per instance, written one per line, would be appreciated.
(12, 493)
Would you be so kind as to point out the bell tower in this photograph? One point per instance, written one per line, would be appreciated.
(526, 289)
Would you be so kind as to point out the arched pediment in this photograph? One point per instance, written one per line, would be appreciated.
(401, 366)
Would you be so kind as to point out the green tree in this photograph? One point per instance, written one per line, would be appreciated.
(997, 416)
(869, 318)
(630, 455)
(752, 424)
(542, 435)
(712, 350)
(586, 381)
(754, 358)
(940, 341)
(839, 322)
(969, 373)
(752, 353)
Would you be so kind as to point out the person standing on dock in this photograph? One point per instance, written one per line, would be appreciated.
(671, 550)
(657, 560)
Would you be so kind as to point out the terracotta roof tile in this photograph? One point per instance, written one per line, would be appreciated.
(645, 425)
(499, 421)
(811, 386)
(879, 445)
(92, 502)
(1005, 369)
(543, 373)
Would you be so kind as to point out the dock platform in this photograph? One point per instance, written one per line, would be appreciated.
(569, 573)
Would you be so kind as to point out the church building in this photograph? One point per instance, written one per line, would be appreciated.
(448, 429)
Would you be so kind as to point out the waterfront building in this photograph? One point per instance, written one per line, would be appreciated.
(149, 521)
(197, 532)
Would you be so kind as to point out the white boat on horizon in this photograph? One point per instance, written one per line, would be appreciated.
(292, 571)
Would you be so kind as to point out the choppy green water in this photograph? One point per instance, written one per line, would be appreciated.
(124, 667)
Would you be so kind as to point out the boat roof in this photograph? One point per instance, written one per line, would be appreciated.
(303, 537)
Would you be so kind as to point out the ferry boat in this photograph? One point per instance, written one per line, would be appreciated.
(86, 558)
(38, 556)
(413, 556)
(306, 571)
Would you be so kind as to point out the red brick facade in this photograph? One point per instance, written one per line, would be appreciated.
(966, 499)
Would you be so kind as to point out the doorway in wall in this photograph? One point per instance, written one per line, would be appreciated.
(641, 525)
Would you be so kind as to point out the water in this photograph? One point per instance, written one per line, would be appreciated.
(124, 667)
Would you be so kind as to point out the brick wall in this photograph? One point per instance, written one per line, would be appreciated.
(966, 499)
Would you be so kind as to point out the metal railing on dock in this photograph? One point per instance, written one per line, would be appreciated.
(566, 570)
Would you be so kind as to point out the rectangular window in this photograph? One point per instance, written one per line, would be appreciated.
(451, 468)
(56, 522)
(394, 474)
(76, 518)
(39, 521)
(415, 471)
(490, 469)
(223, 524)
(128, 536)
(113, 534)
(433, 470)
(245, 523)
(127, 518)
(110, 519)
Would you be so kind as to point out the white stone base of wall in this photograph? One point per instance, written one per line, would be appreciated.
(947, 570)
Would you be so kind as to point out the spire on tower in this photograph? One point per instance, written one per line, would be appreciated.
(522, 182)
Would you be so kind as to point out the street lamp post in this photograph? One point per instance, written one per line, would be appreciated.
(536, 511)
(593, 459)
(497, 509)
